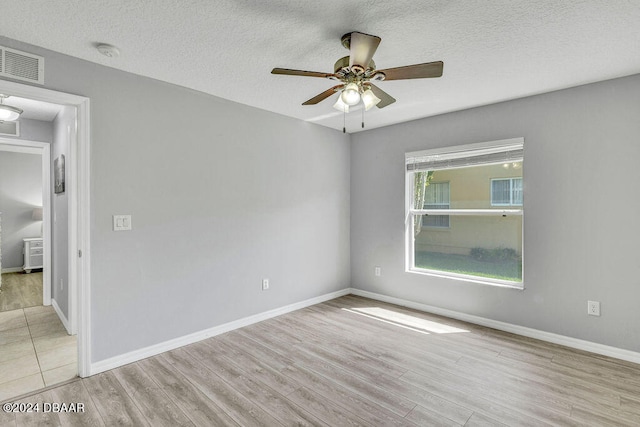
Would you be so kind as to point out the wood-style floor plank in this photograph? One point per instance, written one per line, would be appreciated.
(76, 392)
(196, 405)
(268, 399)
(353, 361)
(154, 404)
(239, 407)
(20, 290)
(112, 401)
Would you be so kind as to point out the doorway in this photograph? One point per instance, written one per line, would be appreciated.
(29, 200)
(78, 176)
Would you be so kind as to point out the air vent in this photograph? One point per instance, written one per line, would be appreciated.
(9, 128)
(18, 65)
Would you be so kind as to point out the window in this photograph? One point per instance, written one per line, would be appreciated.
(436, 196)
(506, 191)
(465, 209)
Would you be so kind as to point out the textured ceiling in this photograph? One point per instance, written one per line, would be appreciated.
(493, 50)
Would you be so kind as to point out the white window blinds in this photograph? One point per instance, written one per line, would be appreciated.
(484, 153)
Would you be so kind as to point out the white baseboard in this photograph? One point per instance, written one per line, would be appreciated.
(61, 315)
(143, 353)
(579, 344)
(12, 270)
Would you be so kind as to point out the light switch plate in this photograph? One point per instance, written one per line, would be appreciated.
(121, 222)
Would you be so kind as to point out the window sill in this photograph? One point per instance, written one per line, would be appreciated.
(472, 279)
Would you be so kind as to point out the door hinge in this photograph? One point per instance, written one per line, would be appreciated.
(79, 253)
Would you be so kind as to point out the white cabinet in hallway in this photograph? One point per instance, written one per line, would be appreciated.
(33, 255)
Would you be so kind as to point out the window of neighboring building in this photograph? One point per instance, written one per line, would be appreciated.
(506, 191)
(436, 196)
(475, 192)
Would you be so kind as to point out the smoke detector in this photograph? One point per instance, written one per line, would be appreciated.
(108, 50)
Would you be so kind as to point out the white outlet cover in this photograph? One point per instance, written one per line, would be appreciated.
(593, 308)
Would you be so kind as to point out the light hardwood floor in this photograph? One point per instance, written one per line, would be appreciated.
(20, 290)
(356, 362)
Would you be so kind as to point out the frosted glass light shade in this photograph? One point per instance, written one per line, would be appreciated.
(9, 113)
(369, 99)
(351, 94)
(341, 106)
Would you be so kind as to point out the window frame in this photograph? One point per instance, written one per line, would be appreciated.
(511, 180)
(410, 212)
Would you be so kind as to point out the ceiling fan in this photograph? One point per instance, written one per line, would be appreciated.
(357, 71)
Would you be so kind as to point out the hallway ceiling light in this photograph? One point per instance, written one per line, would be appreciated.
(7, 112)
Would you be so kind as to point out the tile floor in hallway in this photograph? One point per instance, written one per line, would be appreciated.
(35, 351)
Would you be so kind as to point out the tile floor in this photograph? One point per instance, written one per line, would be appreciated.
(35, 351)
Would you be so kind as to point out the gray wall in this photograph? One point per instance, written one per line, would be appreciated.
(221, 195)
(20, 192)
(62, 130)
(581, 225)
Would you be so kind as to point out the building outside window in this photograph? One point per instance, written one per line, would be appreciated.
(465, 209)
(436, 196)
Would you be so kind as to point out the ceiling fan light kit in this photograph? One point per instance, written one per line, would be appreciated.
(356, 72)
(369, 99)
(7, 112)
(341, 106)
(351, 94)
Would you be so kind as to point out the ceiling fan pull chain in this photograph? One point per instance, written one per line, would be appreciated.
(363, 118)
(344, 121)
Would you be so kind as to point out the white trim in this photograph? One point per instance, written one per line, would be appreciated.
(480, 280)
(143, 353)
(605, 350)
(457, 151)
(43, 149)
(11, 270)
(466, 212)
(17, 146)
(80, 277)
(61, 315)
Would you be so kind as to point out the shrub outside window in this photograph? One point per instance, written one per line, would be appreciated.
(464, 211)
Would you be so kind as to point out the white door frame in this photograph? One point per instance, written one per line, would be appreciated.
(78, 171)
(44, 150)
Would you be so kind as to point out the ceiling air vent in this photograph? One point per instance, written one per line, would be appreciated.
(18, 65)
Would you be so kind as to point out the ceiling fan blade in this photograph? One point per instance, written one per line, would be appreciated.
(362, 48)
(418, 71)
(289, 72)
(321, 97)
(385, 98)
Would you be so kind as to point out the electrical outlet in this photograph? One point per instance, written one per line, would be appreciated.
(377, 271)
(265, 284)
(61, 285)
(593, 308)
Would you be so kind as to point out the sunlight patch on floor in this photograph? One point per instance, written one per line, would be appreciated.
(406, 321)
